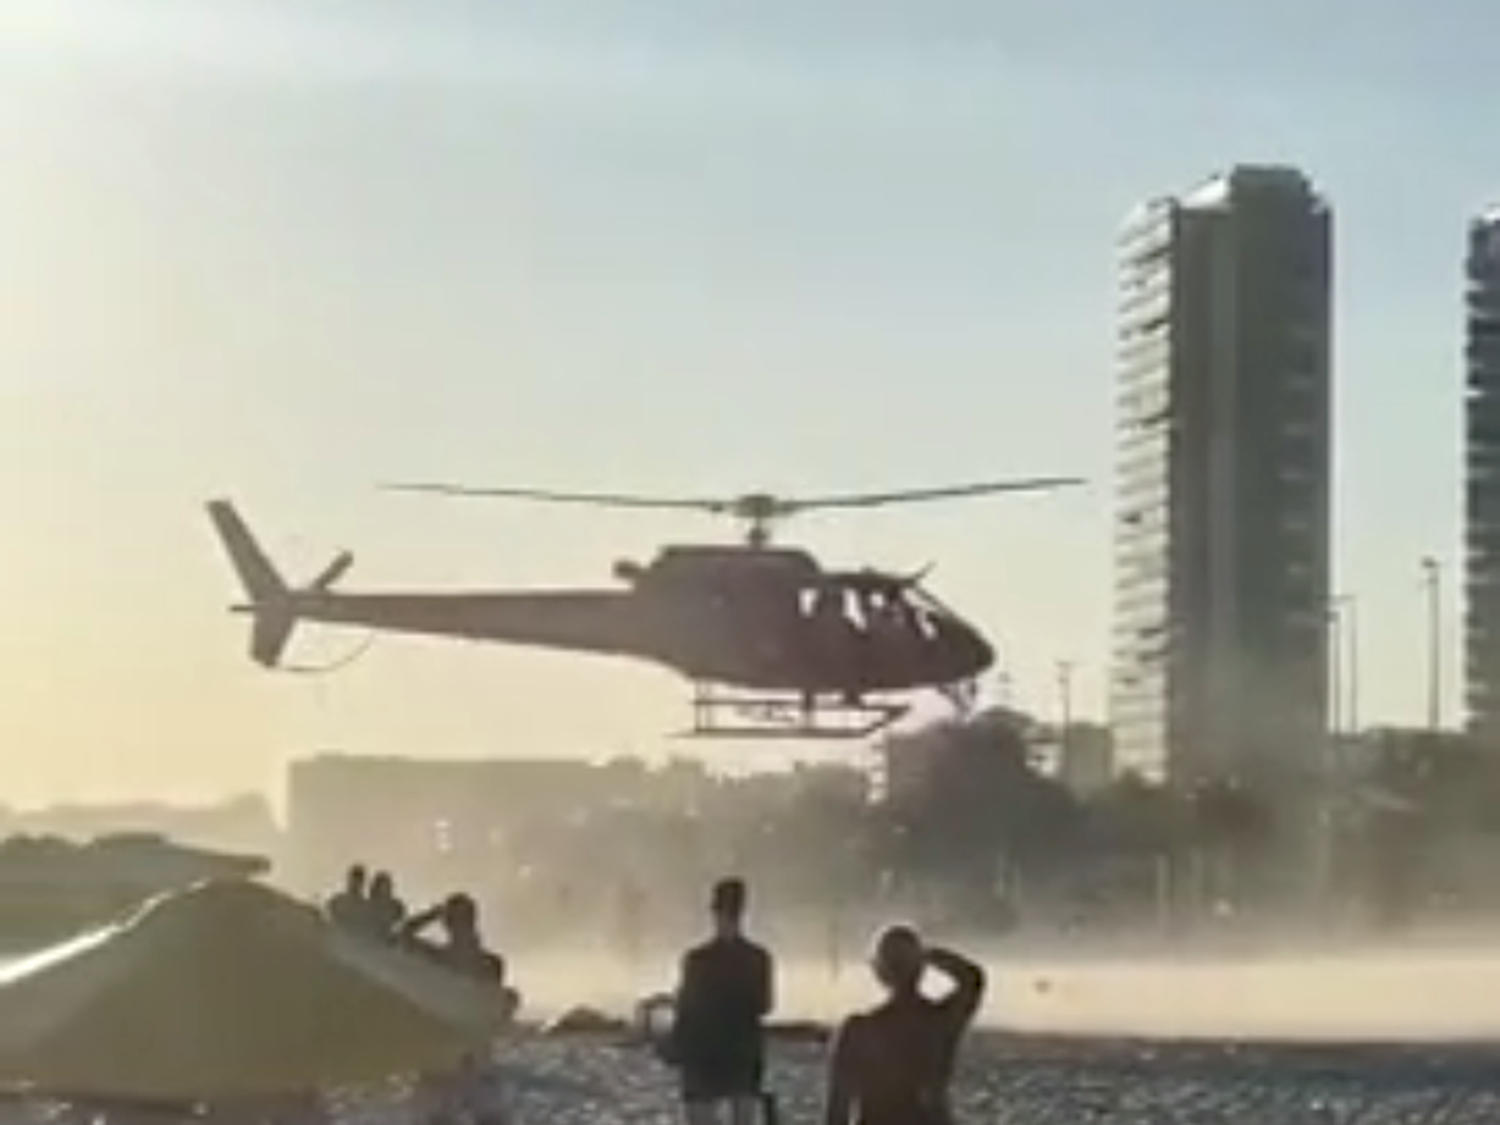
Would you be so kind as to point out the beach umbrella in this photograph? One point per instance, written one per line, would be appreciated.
(225, 991)
(52, 888)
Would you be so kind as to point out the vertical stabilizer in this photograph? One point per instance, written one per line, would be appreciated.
(268, 596)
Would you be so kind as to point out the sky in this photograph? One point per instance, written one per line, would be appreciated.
(283, 249)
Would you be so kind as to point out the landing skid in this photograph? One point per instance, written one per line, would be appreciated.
(722, 714)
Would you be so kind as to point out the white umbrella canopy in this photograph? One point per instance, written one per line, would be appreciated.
(229, 990)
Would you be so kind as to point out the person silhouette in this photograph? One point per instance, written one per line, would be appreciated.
(717, 1039)
(385, 908)
(349, 908)
(893, 1065)
(461, 948)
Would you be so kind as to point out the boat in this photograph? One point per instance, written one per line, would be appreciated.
(52, 888)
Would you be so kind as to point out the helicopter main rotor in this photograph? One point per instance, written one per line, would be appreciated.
(760, 512)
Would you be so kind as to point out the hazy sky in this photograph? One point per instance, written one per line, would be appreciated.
(283, 248)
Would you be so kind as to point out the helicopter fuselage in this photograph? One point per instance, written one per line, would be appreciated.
(763, 619)
(830, 636)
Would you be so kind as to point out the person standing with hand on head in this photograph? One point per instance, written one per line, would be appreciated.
(717, 1041)
(893, 1065)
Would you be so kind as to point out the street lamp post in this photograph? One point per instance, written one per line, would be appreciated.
(1335, 666)
(1065, 693)
(1003, 680)
(1343, 663)
(1065, 719)
(1432, 582)
(1351, 661)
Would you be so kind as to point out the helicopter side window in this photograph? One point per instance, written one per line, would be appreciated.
(887, 611)
(836, 610)
(855, 612)
(890, 608)
(820, 603)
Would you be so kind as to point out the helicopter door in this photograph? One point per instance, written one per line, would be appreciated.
(773, 619)
(837, 627)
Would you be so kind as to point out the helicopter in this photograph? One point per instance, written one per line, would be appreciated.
(774, 644)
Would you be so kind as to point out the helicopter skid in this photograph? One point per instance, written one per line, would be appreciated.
(750, 716)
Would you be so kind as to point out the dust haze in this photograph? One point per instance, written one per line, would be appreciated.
(1371, 994)
(1100, 902)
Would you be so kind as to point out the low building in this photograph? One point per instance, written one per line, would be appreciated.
(1085, 758)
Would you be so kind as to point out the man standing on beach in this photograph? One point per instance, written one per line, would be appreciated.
(893, 1065)
(717, 1042)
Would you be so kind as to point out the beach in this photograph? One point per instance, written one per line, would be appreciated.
(1005, 1079)
(1020, 1080)
(1337, 1039)
(1349, 1040)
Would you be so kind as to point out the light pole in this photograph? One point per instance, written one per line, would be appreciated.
(1065, 718)
(1003, 681)
(1343, 663)
(1351, 661)
(1334, 622)
(1065, 694)
(1432, 572)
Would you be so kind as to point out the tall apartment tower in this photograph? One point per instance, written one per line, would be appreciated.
(1482, 479)
(1224, 347)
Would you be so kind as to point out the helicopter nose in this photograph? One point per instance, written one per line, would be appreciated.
(972, 653)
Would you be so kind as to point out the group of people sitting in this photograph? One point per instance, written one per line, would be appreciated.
(371, 908)
(891, 1065)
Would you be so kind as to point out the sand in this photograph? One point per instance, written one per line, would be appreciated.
(1007, 1079)
(1018, 1080)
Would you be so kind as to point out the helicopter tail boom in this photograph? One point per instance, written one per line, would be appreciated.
(269, 599)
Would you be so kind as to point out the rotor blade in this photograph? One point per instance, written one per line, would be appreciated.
(921, 495)
(598, 499)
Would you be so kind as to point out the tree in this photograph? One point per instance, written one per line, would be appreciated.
(1138, 817)
(1419, 791)
(983, 802)
(1229, 826)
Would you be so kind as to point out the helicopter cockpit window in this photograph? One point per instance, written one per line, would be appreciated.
(920, 613)
(880, 607)
(926, 623)
(820, 603)
(833, 604)
(854, 611)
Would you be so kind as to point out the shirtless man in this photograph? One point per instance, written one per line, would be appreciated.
(461, 948)
(893, 1064)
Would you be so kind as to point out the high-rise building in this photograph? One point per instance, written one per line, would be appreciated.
(1224, 345)
(1482, 478)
